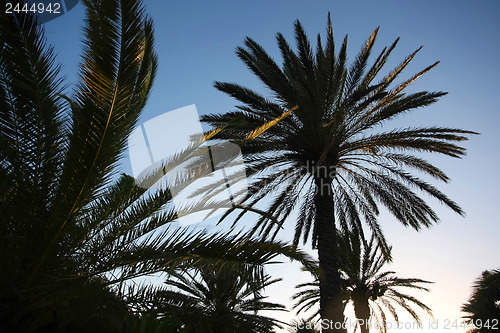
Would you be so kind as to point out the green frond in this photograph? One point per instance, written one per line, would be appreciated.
(31, 118)
(116, 75)
(358, 67)
(265, 68)
(378, 64)
(305, 51)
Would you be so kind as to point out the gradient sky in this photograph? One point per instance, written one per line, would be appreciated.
(195, 41)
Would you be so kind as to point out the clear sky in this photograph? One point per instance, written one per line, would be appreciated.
(195, 41)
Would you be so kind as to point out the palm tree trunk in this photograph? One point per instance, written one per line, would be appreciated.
(331, 308)
(362, 312)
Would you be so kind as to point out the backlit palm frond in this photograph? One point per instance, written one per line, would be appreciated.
(116, 74)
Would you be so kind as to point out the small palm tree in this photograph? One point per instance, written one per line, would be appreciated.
(327, 157)
(210, 300)
(372, 291)
(73, 234)
(483, 307)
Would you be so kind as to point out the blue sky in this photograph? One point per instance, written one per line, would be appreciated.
(196, 40)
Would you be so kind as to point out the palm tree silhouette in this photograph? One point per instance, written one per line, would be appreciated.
(327, 157)
(483, 307)
(210, 300)
(73, 234)
(371, 291)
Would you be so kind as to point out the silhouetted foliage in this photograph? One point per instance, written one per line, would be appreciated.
(213, 301)
(483, 307)
(73, 234)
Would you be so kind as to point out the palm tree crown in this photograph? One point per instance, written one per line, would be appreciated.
(209, 300)
(336, 111)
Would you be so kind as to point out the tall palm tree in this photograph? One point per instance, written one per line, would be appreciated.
(72, 234)
(327, 157)
(209, 300)
(371, 291)
(483, 307)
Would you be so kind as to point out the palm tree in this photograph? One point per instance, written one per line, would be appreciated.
(73, 234)
(326, 158)
(483, 307)
(371, 291)
(210, 300)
